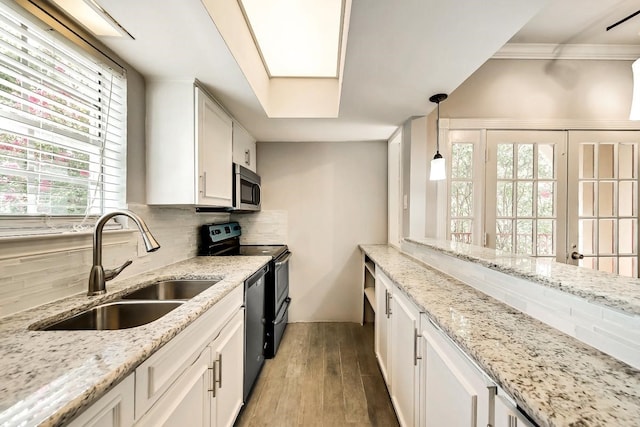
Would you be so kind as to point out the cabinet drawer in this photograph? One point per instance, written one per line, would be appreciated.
(158, 372)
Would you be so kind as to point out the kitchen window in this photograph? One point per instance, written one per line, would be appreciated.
(62, 126)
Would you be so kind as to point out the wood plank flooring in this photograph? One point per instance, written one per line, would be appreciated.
(324, 375)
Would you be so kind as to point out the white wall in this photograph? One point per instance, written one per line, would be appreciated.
(335, 197)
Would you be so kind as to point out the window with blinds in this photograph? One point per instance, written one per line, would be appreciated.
(62, 125)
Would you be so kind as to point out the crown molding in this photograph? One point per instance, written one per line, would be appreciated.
(568, 51)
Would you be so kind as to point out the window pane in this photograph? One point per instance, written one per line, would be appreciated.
(546, 161)
(627, 198)
(586, 199)
(504, 199)
(545, 237)
(626, 161)
(587, 236)
(606, 197)
(545, 199)
(525, 236)
(461, 199)
(505, 161)
(461, 230)
(525, 161)
(606, 236)
(588, 263)
(524, 204)
(504, 235)
(628, 266)
(462, 161)
(607, 264)
(627, 232)
(587, 161)
(605, 161)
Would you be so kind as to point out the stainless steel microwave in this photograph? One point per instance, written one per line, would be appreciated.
(246, 189)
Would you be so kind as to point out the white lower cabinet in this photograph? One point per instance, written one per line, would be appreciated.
(114, 409)
(199, 397)
(431, 381)
(507, 415)
(228, 354)
(195, 379)
(382, 324)
(396, 328)
(453, 391)
(405, 319)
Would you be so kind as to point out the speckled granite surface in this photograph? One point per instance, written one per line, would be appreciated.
(621, 293)
(48, 377)
(556, 379)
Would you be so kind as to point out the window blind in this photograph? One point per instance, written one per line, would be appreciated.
(62, 125)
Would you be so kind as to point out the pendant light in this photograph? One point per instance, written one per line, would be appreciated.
(438, 169)
(635, 100)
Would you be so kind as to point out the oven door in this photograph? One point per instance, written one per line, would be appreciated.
(281, 279)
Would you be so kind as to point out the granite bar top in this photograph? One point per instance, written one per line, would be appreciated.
(556, 379)
(48, 377)
(611, 290)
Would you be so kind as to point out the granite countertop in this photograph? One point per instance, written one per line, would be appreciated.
(556, 379)
(618, 292)
(48, 377)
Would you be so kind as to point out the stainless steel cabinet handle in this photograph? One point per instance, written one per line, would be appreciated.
(213, 379)
(204, 183)
(247, 157)
(389, 297)
(415, 346)
(220, 371)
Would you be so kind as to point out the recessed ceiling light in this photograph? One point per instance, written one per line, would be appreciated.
(296, 38)
(92, 16)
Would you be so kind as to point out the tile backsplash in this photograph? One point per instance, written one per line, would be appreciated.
(34, 271)
(263, 228)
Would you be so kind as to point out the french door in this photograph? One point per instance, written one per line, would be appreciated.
(603, 200)
(526, 180)
(567, 195)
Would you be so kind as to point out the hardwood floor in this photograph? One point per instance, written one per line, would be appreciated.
(324, 374)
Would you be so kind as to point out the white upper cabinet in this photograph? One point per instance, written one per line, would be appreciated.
(244, 147)
(189, 146)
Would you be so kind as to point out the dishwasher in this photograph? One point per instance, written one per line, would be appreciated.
(254, 320)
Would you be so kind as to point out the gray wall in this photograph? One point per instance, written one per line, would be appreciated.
(335, 197)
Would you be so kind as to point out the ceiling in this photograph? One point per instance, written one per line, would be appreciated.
(397, 56)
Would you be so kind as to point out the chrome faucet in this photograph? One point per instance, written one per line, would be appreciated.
(98, 275)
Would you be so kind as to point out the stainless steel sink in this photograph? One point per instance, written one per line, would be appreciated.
(171, 290)
(116, 315)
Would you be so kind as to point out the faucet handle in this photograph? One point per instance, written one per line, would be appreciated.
(111, 274)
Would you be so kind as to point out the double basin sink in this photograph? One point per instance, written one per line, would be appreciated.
(137, 308)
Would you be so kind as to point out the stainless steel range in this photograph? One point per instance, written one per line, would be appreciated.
(266, 307)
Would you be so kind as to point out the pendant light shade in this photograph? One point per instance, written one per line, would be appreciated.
(438, 164)
(635, 101)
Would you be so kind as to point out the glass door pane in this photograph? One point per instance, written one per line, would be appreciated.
(525, 174)
(603, 200)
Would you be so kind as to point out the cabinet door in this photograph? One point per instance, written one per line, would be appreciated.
(244, 148)
(228, 353)
(382, 324)
(114, 409)
(404, 348)
(455, 391)
(507, 415)
(188, 401)
(214, 145)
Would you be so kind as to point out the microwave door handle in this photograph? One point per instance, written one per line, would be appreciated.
(257, 190)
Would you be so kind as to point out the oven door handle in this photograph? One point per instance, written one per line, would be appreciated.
(284, 309)
(283, 260)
